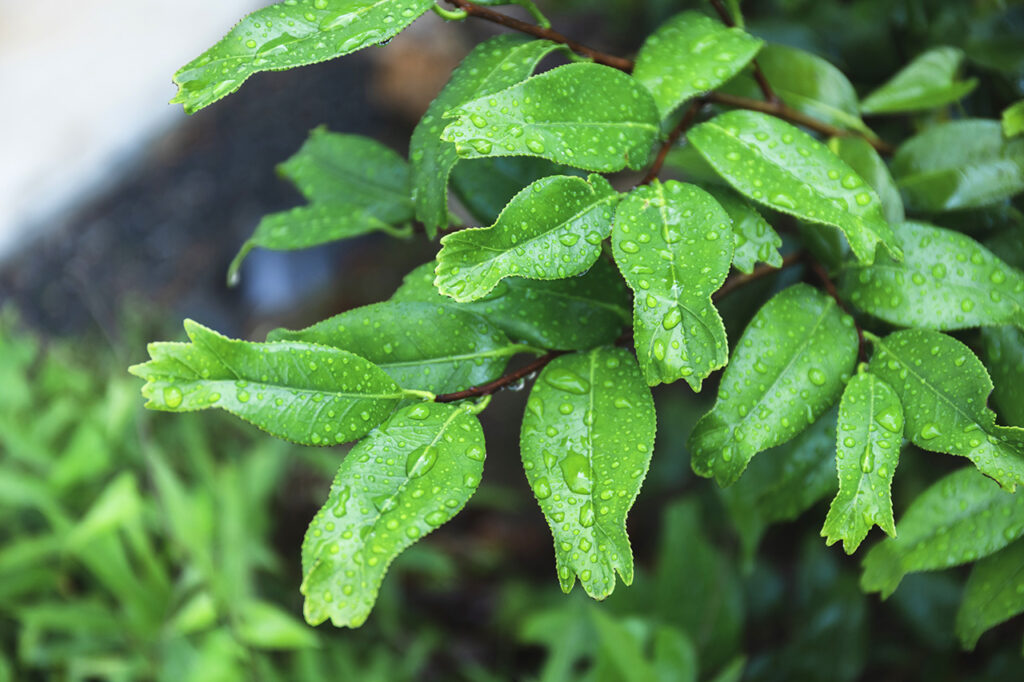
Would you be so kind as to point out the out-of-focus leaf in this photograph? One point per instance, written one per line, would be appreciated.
(994, 593)
(928, 82)
(1013, 119)
(485, 186)
(1004, 358)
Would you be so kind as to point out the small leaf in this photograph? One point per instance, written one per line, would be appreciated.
(485, 186)
(586, 443)
(928, 82)
(1004, 358)
(309, 394)
(492, 66)
(290, 34)
(266, 626)
(553, 229)
(799, 344)
(584, 115)
(944, 389)
(1013, 119)
(868, 440)
(962, 517)
(957, 165)
(994, 593)
(690, 54)
(409, 476)
(753, 238)
(784, 168)
(673, 244)
(865, 162)
(945, 281)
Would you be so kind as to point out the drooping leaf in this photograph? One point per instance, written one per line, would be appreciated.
(586, 443)
(673, 244)
(577, 313)
(584, 115)
(409, 476)
(928, 82)
(957, 165)
(551, 230)
(309, 394)
(962, 517)
(994, 593)
(866, 163)
(1013, 119)
(418, 345)
(944, 389)
(289, 34)
(1003, 349)
(493, 65)
(788, 368)
(485, 186)
(621, 651)
(690, 54)
(753, 238)
(868, 440)
(784, 168)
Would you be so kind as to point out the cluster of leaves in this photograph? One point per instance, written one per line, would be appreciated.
(402, 377)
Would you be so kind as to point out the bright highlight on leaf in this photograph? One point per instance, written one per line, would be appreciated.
(928, 82)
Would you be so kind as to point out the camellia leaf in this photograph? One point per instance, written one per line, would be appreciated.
(418, 345)
(673, 244)
(551, 230)
(859, 155)
(690, 54)
(784, 168)
(961, 518)
(788, 368)
(928, 82)
(577, 313)
(957, 165)
(584, 115)
(492, 66)
(944, 389)
(753, 238)
(868, 440)
(409, 476)
(289, 34)
(1013, 119)
(586, 443)
(1004, 358)
(994, 593)
(309, 394)
(945, 281)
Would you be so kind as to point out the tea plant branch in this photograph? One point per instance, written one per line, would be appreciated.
(501, 382)
(762, 270)
(762, 80)
(688, 118)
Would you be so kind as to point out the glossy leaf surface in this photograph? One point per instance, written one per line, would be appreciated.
(673, 244)
(586, 443)
(928, 82)
(485, 186)
(409, 476)
(753, 238)
(1003, 349)
(859, 155)
(994, 593)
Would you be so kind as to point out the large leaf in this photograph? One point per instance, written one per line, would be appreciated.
(584, 115)
(994, 593)
(784, 168)
(944, 389)
(960, 518)
(945, 281)
(957, 165)
(418, 345)
(868, 440)
(492, 66)
(673, 244)
(409, 476)
(690, 54)
(753, 238)
(1004, 357)
(788, 368)
(302, 392)
(586, 443)
(927, 82)
(289, 34)
(865, 162)
(577, 313)
(553, 229)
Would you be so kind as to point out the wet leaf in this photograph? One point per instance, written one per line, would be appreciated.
(928, 82)
(865, 162)
(753, 238)
(485, 186)
(994, 593)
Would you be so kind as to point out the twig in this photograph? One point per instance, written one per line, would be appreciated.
(762, 80)
(684, 123)
(500, 382)
(830, 288)
(760, 271)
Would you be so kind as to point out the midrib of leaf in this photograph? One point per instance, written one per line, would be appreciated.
(618, 310)
(344, 176)
(869, 442)
(592, 356)
(510, 349)
(1010, 579)
(956, 517)
(270, 386)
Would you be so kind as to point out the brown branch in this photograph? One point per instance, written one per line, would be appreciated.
(830, 288)
(762, 80)
(688, 118)
(500, 382)
(760, 271)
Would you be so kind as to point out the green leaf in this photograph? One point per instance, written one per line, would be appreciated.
(994, 593)
(944, 389)
(961, 518)
(1004, 357)
(784, 168)
(753, 238)
(1013, 119)
(578, 313)
(289, 34)
(799, 344)
(492, 66)
(957, 165)
(868, 440)
(409, 476)
(301, 392)
(267, 626)
(584, 115)
(690, 54)
(945, 281)
(553, 229)
(673, 244)
(418, 345)
(928, 82)
(586, 443)
(485, 186)
(857, 153)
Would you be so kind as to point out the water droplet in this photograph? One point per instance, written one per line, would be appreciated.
(816, 376)
(587, 515)
(535, 146)
(576, 471)
(172, 396)
(481, 146)
(418, 412)
(672, 319)
(420, 461)
(930, 431)
(436, 518)
(629, 247)
(566, 380)
(542, 489)
(889, 419)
